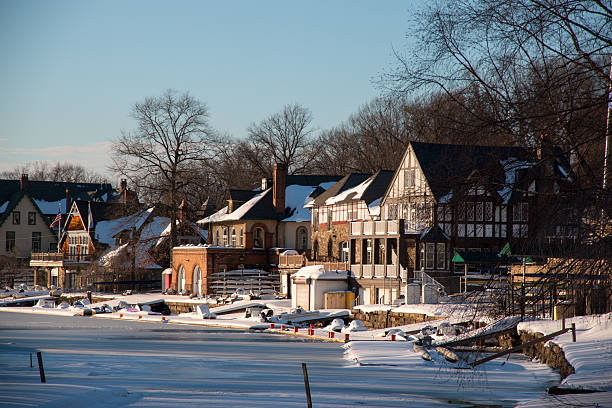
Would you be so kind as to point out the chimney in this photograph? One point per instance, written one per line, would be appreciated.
(68, 199)
(182, 210)
(23, 182)
(279, 183)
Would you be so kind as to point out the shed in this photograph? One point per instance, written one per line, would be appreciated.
(310, 283)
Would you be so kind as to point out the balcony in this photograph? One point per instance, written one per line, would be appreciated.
(385, 227)
(298, 261)
(57, 259)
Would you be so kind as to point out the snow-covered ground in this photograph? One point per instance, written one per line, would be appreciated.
(504, 382)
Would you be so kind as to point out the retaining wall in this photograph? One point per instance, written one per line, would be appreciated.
(381, 319)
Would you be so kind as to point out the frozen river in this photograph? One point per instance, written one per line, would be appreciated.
(99, 363)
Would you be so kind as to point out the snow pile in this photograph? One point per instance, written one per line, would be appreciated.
(590, 355)
(318, 272)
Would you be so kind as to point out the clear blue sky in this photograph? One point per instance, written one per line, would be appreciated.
(71, 70)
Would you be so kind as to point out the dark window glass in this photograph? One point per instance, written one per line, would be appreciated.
(31, 218)
(16, 217)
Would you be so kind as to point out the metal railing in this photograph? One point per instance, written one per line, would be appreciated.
(425, 279)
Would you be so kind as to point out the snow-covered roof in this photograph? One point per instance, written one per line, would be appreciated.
(354, 193)
(318, 272)
(51, 207)
(296, 197)
(106, 230)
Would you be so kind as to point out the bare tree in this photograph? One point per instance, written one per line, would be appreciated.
(285, 138)
(45, 171)
(172, 134)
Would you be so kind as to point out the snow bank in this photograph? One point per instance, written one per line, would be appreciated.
(590, 355)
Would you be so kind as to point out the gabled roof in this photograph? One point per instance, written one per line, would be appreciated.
(446, 166)
(241, 195)
(450, 167)
(358, 186)
(261, 207)
(14, 201)
(347, 182)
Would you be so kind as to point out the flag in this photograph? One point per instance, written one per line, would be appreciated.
(58, 218)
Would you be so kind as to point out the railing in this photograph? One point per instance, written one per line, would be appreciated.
(425, 279)
(291, 261)
(298, 261)
(386, 227)
(47, 257)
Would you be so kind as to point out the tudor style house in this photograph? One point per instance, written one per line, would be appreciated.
(252, 230)
(355, 198)
(447, 198)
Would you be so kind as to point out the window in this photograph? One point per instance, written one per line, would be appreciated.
(440, 256)
(429, 255)
(36, 241)
(180, 280)
(344, 251)
(225, 236)
(368, 251)
(197, 281)
(258, 238)
(330, 249)
(31, 218)
(315, 251)
(315, 219)
(409, 178)
(241, 238)
(217, 237)
(233, 238)
(10, 241)
(16, 218)
(302, 238)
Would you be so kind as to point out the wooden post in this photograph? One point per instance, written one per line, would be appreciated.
(40, 367)
(574, 332)
(307, 385)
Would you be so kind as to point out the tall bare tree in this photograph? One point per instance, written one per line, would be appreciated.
(172, 134)
(284, 137)
(542, 66)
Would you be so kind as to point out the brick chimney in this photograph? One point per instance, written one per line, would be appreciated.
(279, 180)
(23, 182)
(68, 199)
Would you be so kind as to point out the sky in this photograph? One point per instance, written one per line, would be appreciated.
(70, 71)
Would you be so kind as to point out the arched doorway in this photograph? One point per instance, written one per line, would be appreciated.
(197, 281)
(180, 280)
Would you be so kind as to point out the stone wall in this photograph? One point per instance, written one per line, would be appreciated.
(382, 319)
(548, 352)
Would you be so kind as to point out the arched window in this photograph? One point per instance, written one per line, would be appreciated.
(180, 280)
(217, 237)
(224, 236)
(241, 238)
(315, 251)
(301, 238)
(197, 281)
(233, 238)
(344, 251)
(258, 238)
(330, 249)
